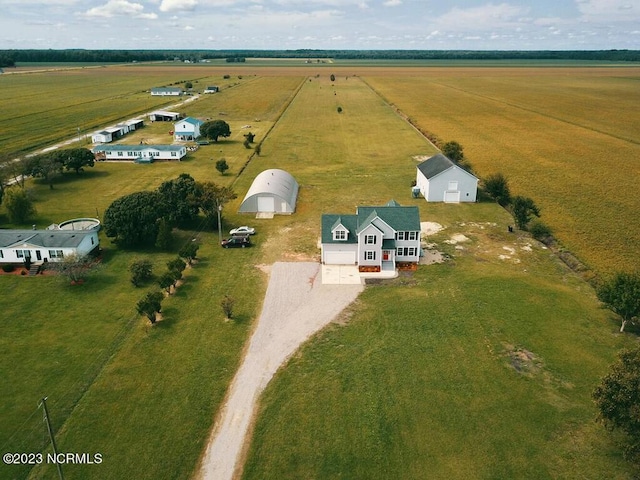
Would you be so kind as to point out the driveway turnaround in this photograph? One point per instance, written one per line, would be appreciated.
(297, 305)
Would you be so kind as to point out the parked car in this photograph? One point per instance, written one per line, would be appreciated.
(237, 242)
(243, 230)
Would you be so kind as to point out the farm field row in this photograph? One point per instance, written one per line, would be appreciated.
(568, 141)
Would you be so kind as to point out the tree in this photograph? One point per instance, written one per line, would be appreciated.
(215, 129)
(141, 271)
(211, 197)
(227, 304)
(150, 305)
(166, 281)
(179, 199)
(164, 239)
(133, 219)
(176, 265)
(453, 151)
(18, 205)
(189, 251)
(621, 295)
(46, 166)
(188, 85)
(75, 159)
(249, 136)
(524, 209)
(332, 77)
(74, 267)
(221, 166)
(618, 400)
(497, 187)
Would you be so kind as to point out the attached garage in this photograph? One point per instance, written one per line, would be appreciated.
(272, 191)
(339, 257)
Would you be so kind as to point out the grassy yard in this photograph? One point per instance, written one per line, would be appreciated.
(481, 366)
(568, 138)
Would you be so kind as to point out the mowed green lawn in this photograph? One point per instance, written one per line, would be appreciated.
(568, 138)
(419, 382)
(116, 384)
(429, 357)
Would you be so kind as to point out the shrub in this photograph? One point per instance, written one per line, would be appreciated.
(539, 230)
(8, 268)
(141, 271)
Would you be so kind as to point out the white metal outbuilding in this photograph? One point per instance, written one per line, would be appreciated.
(272, 191)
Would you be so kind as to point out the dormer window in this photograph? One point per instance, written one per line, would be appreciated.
(339, 234)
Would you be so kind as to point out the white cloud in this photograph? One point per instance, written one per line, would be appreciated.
(392, 3)
(609, 10)
(175, 5)
(485, 17)
(115, 8)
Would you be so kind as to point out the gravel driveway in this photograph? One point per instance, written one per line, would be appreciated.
(296, 306)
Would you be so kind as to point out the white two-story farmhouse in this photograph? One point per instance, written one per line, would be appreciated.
(375, 238)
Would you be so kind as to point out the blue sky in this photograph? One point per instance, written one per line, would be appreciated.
(322, 24)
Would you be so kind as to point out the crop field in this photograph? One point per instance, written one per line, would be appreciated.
(480, 367)
(568, 139)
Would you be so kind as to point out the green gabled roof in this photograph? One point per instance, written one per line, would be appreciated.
(393, 214)
(397, 217)
(331, 221)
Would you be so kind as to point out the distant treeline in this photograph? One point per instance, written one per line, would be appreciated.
(8, 58)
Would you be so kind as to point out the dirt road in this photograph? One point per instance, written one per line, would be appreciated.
(295, 307)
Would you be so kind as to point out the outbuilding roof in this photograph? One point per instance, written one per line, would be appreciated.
(437, 164)
(274, 182)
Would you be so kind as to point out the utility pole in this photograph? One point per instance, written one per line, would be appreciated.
(53, 440)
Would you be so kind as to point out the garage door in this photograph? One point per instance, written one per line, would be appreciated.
(452, 197)
(340, 258)
(266, 204)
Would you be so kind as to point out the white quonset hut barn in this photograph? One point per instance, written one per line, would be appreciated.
(441, 180)
(272, 191)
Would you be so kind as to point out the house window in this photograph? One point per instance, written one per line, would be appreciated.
(370, 255)
(339, 235)
(370, 239)
(23, 253)
(412, 235)
(56, 254)
(406, 251)
(399, 235)
(173, 154)
(120, 154)
(92, 242)
(1, 254)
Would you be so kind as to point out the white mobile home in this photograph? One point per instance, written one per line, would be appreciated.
(40, 246)
(166, 91)
(140, 153)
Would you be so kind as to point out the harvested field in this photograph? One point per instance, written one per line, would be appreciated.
(568, 138)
